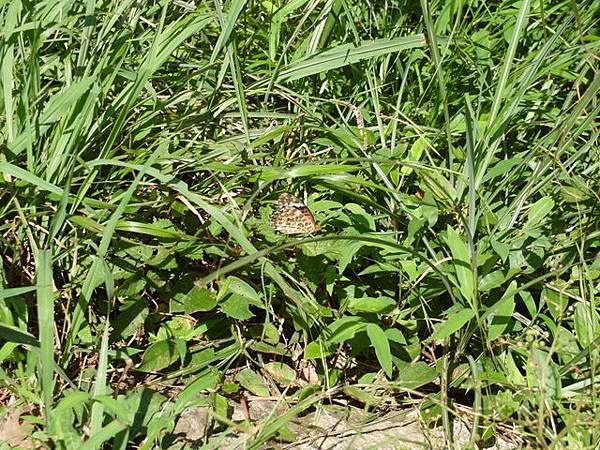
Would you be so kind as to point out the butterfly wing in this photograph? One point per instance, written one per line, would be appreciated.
(292, 216)
(287, 200)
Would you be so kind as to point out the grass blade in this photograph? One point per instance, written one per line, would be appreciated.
(45, 316)
(346, 54)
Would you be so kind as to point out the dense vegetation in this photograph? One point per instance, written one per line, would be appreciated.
(448, 149)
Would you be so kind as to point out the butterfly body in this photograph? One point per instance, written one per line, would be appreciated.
(292, 216)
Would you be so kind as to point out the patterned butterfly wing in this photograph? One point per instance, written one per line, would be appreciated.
(287, 200)
(292, 216)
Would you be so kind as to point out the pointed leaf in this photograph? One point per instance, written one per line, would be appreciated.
(381, 345)
(462, 264)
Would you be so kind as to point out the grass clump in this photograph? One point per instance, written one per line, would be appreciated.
(448, 150)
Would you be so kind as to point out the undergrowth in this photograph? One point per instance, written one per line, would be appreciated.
(448, 150)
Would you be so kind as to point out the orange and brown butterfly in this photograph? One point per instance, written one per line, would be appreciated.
(292, 216)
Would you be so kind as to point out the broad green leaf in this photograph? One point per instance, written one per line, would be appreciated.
(502, 168)
(360, 216)
(220, 405)
(410, 267)
(199, 299)
(395, 335)
(60, 427)
(380, 305)
(414, 154)
(281, 372)
(241, 287)
(70, 400)
(284, 434)
(347, 252)
(501, 248)
(415, 375)
(531, 305)
(269, 333)
(178, 326)
(362, 395)
(237, 307)
(116, 408)
(542, 375)
(252, 382)
(437, 182)
(381, 345)
(317, 350)
(344, 329)
(86, 223)
(429, 209)
(502, 316)
(158, 356)
(462, 264)
(573, 194)
(452, 324)
(586, 324)
(140, 252)
(539, 211)
(492, 280)
(512, 370)
(556, 302)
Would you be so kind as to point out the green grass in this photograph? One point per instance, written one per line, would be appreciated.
(448, 149)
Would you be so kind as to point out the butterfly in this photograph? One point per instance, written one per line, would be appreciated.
(292, 216)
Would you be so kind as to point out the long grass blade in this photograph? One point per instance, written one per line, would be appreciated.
(45, 317)
(346, 54)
